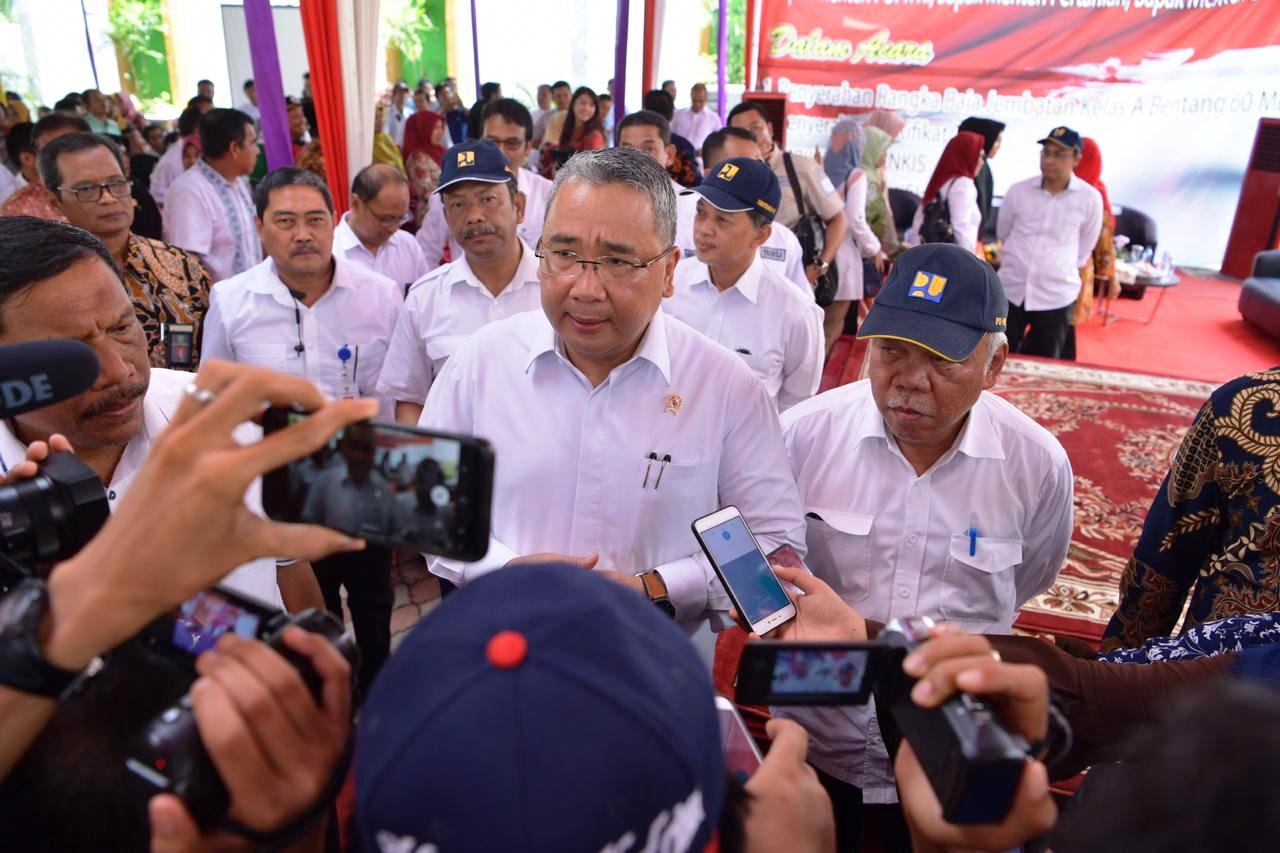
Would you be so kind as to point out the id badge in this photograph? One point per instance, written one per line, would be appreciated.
(178, 344)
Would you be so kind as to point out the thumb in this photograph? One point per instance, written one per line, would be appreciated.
(173, 830)
(799, 577)
(586, 561)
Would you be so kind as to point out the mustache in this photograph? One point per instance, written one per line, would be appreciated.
(115, 398)
(479, 231)
(306, 249)
(904, 402)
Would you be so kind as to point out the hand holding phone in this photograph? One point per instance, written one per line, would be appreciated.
(741, 755)
(740, 564)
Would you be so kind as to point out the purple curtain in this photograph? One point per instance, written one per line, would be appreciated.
(266, 79)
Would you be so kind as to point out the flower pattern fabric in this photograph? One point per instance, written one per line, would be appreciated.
(166, 285)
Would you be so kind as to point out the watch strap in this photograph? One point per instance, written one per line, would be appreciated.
(656, 590)
(23, 665)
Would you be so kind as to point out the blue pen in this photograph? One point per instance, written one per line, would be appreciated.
(973, 541)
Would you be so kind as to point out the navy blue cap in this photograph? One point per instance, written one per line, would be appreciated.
(477, 160)
(1064, 136)
(540, 708)
(741, 184)
(941, 297)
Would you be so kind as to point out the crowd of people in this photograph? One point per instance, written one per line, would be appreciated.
(634, 312)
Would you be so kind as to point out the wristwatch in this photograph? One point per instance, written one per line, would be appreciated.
(656, 588)
(22, 664)
(822, 265)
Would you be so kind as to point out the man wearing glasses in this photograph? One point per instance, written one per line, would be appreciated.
(369, 234)
(616, 425)
(84, 174)
(495, 275)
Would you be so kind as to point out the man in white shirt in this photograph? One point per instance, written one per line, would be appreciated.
(617, 425)
(208, 208)
(398, 113)
(650, 133)
(544, 105)
(370, 235)
(61, 282)
(924, 492)
(781, 250)
(696, 122)
(1049, 226)
(304, 310)
(508, 125)
(170, 164)
(250, 104)
(494, 277)
(730, 295)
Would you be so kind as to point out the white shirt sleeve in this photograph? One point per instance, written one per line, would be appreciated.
(966, 218)
(433, 234)
(1048, 534)
(1008, 213)
(1090, 228)
(795, 258)
(214, 342)
(406, 371)
(187, 223)
(802, 363)
(855, 211)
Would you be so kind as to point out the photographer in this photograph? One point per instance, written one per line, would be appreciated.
(273, 745)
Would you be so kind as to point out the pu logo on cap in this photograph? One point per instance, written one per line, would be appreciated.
(727, 172)
(1059, 131)
(928, 285)
(1002, 322)
(466, 158)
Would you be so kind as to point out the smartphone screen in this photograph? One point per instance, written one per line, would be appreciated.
(741, 755)
(207, 615)
(773, 673)
(753, 587)
(389, 484)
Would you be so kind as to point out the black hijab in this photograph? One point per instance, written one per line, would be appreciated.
(988, 128)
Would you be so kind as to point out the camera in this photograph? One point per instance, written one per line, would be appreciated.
(171, 758)
(52, 515)
(973, 763)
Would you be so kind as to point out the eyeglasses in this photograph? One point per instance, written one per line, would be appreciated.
(119, 188)
(613, 270)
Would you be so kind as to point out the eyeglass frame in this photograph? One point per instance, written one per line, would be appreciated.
(101, 188)
(582, 262)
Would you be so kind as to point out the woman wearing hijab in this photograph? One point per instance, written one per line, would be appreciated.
(384, 147)
(991, 131)
(875, 150)
(891, 123)
(423, 153)
(583, 130)
(842, 164)
(1101, 266)
(953, 182)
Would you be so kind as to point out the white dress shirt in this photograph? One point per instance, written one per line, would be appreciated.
(1047, 239)
(767, 320)
(167, 170)
(574, 475)
(686, 210)
(215, 218)
(256, 579)
(859, 240)
(252, 320)
(399, 259)
(434, 232)
(696, 126)
(783, 253)
(961, 196)
(395, 122)
(335, 500)
(442, 310)
(892, 543)
(9, 183)
(250, 109)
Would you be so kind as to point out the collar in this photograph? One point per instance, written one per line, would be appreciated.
(748, 284)
(211, 174)
(344, 236)
(653, 346)
(977, 438)
(1074, 183)
(264, 279)
(460, 272)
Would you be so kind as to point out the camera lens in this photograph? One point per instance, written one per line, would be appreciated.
(52, 515)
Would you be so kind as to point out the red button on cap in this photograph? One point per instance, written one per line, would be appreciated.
(507, 649)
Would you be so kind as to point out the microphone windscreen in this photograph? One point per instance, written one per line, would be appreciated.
(40, 373)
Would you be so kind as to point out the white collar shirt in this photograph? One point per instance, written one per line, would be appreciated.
(696, 126)
(166, 171)
(395, 122)
(1047, 239)
(399, 259)
(765, 319)
(215, 218)
(575, 474)
(961, 196)
(782, 252)
(251, 109)
(892, 543)
(686, 210)
(434, 233)
(252, 320)
(335, 500)
(9, 183)
(441, 311)
(256, 579)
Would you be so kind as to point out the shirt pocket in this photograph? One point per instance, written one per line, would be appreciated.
(440, 348)
(673, 494)
(272, 355)
(765, 365)
(980, 587)
(840, 542)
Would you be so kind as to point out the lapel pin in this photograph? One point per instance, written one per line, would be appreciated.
(673, 404)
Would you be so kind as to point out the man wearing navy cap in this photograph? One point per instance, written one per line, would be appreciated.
(733, 297)
(1049, 226)
(924, 493)
(495, 277)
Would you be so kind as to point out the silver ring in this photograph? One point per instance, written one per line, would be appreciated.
(203, 396)
(995, 655)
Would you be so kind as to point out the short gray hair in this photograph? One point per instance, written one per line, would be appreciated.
(631, 168)
(995, 340)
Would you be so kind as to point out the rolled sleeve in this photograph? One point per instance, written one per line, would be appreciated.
(690, 583)
(459, 572)
(406, 372)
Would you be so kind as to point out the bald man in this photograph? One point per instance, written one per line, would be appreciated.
(370, 235)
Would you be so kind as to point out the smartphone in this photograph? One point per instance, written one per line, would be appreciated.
(178, 339)
(774, 673)
(741, 755)
(742, 567)
(390, 484)
(194, 627)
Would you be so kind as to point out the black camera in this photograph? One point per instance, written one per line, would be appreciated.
(52, 515)
(973, 763)
(170, 757)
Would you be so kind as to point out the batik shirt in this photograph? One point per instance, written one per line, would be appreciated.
(1210, 639)
(1213, 531)
(166, 285)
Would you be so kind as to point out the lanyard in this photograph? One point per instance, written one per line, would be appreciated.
(350, 360)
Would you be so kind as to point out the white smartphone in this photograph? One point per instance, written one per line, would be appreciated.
(741, 755)
(744, 570)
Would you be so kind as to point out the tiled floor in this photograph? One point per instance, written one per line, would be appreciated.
(416, 593)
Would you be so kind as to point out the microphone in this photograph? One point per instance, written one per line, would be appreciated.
(40, 373)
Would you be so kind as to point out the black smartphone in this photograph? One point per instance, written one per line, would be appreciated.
(775, 673)
(194, 627)
(390, 484)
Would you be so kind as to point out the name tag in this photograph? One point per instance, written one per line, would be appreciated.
(771, 254)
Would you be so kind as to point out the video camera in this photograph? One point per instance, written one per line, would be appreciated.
(973, 763)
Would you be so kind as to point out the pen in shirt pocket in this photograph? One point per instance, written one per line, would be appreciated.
(973, 535)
